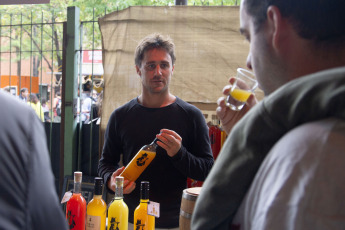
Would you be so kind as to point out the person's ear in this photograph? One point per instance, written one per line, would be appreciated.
(278, 27)
(138, 70)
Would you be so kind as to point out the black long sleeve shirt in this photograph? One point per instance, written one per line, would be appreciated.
(132, 126)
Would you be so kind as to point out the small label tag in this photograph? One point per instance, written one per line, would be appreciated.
(153, 209)
(93, 222)
(66, 197)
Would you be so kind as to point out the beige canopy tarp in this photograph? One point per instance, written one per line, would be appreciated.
(209, 49)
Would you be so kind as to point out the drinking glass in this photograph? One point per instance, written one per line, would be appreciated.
(243, 87)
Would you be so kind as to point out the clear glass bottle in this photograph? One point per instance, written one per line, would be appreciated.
(142, 220)
(118, 210)
(76, 205)
(96, 209)
(140, 161)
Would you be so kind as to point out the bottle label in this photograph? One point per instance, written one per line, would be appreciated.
(139, 224)
(153, 209)
(66, 197)
(114, 223)
(93, 222)
(138, 165)
(141, 160)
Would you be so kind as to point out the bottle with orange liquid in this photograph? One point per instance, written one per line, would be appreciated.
(118, 210)
(76, 206)
(96, 209)
(140, 161)
(142, 220)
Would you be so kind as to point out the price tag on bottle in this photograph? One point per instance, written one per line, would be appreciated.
(66, 197)
(153, 209)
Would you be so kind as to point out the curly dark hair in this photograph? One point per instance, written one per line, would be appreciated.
(154, 41)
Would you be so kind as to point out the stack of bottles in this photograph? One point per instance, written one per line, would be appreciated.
(217, 138)
(93, 216)
(90, 217)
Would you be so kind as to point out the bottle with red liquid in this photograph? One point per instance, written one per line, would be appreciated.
(76, 206)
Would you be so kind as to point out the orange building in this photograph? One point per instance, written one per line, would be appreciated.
(17, 82)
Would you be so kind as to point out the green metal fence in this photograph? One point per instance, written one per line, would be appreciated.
(46, 54)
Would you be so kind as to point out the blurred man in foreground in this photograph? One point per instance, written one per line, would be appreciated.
(28, 198)
(292, 143)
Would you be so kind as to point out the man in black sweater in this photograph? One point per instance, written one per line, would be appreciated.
(184, 146)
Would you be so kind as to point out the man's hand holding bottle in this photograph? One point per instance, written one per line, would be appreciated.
(170, 141)
(128, 186)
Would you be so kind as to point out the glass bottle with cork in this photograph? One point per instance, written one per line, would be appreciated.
(76, 205)
(142, 220)
(118, 210)
(140, 161)
(96, 209)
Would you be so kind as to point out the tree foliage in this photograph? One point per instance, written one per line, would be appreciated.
(35, 31)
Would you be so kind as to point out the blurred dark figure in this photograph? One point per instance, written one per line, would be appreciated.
(28, 198)
(45, 110)
(24, 93)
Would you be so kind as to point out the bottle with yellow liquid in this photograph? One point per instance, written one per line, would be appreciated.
(142, 220)
(118, 210)
(96, 210)
(140, 161)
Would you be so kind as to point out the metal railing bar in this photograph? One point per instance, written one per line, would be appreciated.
(91, 92)
(10, 64)
(41, 69)
(30, 51)
(20, 54)
(92, 21)
(10, 50)
(52, 96)
(31, 57)
(31, 24)
(80, 75)
(89, 50)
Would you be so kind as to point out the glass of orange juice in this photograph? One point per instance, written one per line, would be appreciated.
(244, 85)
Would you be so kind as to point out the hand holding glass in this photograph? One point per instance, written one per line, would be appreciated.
(243, 87)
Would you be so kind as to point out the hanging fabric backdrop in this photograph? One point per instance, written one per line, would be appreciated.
(209, 49)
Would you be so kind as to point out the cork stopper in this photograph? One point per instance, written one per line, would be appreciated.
(119, 181)
(98, 185)
(119, 187)
(144, 190)
(78, 176)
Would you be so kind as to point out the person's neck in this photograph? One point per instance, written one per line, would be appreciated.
(312, 59)
(156, 100)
